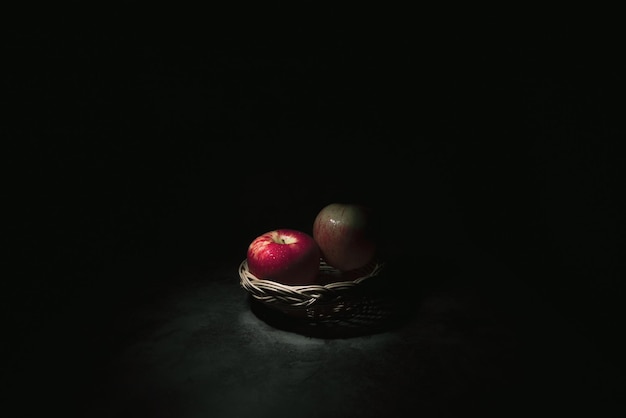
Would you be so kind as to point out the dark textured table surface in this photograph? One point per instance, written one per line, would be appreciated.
(472, 340)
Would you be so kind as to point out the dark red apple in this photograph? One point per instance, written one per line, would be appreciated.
(346, 235)
(286, 256)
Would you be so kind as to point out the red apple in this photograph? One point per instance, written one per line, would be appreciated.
(345, 234)
(285, 256)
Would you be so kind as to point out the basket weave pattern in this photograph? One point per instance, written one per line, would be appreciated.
(331, 295)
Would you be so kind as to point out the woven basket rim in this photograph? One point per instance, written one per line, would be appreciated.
(304, 296)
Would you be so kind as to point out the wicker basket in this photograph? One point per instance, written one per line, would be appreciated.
(339, 294)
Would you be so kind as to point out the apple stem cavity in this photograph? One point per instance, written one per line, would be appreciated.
(278, 238)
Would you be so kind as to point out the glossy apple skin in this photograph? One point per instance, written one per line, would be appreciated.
(285, 256)
(346, 236)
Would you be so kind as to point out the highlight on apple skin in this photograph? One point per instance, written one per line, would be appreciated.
(345, 235)
(286, 256)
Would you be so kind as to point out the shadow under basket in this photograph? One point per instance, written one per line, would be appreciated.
(359, 300)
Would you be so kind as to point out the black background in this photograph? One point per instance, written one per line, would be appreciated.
(134, 153)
